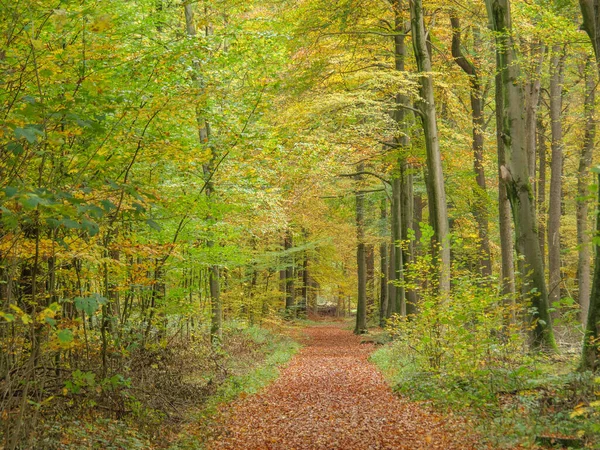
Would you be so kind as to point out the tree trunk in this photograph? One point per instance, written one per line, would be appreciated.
(506, 236)
(591, 351)
(408, 249)
(402, 140)
(370, 259)
(361, 260)
(289, 276)
(532, 100)
(556, 170)
(435, 178)
(305, 281)
(585, 161)
(216, 326)
(590, 10)
(478, 120)
(516, 174)
(391, 288)
(398, 299)
(383, 253)
(541, 189)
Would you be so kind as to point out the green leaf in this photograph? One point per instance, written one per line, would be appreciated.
(8, 317)
(29, 132)
(68, 223)
(10, 191)
(89, 305)
(15, 148)
(153, 225)
(91, 227)
(30, 201)
(65, 336)
(107, 205)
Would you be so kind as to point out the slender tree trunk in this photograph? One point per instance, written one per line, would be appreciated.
(418, 218)
(282, 277)
(305, 281)
(391, 288)
(400, 115)
(289, 277)
(506, 236)
(408, 248)
(585, 161)
(216, 325)
(541, 189)
(361, 261)
(478, 120)
(591, 352)
(370, 259)
(516, 173)
(532, 99)
(383, 253)
(556, 169)
(590, 10)
(434, 160)
(398, 299)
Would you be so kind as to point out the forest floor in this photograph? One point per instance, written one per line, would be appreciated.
(329, 396)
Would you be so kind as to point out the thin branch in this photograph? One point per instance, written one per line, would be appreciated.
(355, 174)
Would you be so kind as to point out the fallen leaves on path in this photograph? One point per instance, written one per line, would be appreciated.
(331, 397)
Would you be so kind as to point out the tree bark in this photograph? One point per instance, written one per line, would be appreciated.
(216, 326)
(391, 288)
(289, 277)
(361, 262)
(506, 236)
(516, 173)
(590, 10)
(305, 280)
(541, 187)
(398, 272)
(585, 162)
(383, 253)
(370, 259)
(400, 116)
(408, 249)
(556, 170)
(532, 100)
(435, 178)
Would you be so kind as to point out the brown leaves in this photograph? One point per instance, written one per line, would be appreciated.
(331, 397)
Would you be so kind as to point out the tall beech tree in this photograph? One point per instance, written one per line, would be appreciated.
(402, 143)
(361, 258)
(516, 172)
(428, 116)
(556, 169)
(590, 10)
(585, 162)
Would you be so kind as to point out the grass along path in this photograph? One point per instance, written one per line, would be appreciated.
(331, 397)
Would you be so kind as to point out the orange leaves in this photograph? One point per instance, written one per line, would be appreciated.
(331, 397)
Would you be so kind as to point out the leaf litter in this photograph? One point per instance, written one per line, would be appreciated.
(330, 396)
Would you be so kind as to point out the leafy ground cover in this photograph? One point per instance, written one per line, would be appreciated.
(330, 397)
(542, 402)
(165, 389)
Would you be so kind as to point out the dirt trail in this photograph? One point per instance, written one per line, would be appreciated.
(330, 397)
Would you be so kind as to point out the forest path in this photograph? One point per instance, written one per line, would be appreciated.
(330, 396)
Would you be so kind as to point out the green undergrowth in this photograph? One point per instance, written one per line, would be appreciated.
(467, 352)
(246, 379)
(277, 351)
(168, 396)
(512, 407)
